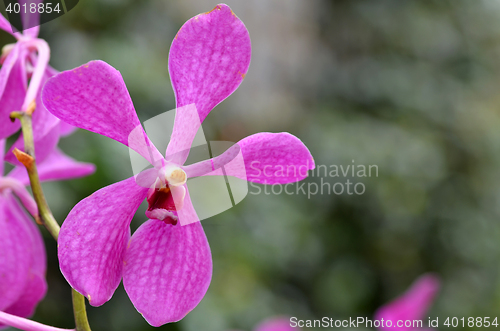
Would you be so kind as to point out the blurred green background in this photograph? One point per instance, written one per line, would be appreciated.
(409, 86)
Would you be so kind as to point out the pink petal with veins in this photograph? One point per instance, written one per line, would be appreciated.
(274, 158)
(209, 58)
(186, 125)
(15, 257)
(38, 257)
(33, 293)
(94, 97)
(12, 91)
(93, 239)
(167, 270)
(45, 130)
(269, 158)
(36, 285)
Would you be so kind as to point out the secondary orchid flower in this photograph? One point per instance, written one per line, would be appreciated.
(22, 253)
(411, 306)
(27, 60)
(166, 268)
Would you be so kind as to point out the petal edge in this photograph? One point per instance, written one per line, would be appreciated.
(168, 270)
(93, 239)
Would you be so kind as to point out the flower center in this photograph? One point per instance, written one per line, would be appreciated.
(166, 195)
(175, 176)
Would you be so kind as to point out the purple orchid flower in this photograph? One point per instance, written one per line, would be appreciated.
(166, 268)
(412, 305)
(27, 60)
(22, 253)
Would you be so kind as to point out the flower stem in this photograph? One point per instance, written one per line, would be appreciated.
(26, 324)
(28, 160)
(79, 310)
(45, 216)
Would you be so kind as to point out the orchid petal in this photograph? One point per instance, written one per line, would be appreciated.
(25, 324)
(45, 131)
(20, 191)
(38, 256)
(45, 126)
(57, 166)
(93, 239)
(33, 293)
(94, 97)
(412, 305)
(44, 144)
(66, 129)
(286, 156)
(212, 167)
(43, 120)
(12, 91)
(186, 125)
(269, 158)
(15, 258)
(31, 21)
(167, 270)
(2, 153)
(186, 213)
(275, 324)
(32, 32)
(36, 286)
(5, 25)
(208, 59)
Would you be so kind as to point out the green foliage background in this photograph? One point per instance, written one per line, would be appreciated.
(409, 86)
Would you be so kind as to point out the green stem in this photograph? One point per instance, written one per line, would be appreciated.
(45, 216)
(80, 312)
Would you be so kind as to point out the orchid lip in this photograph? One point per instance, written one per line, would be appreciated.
(163, 203)
(163, 215)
